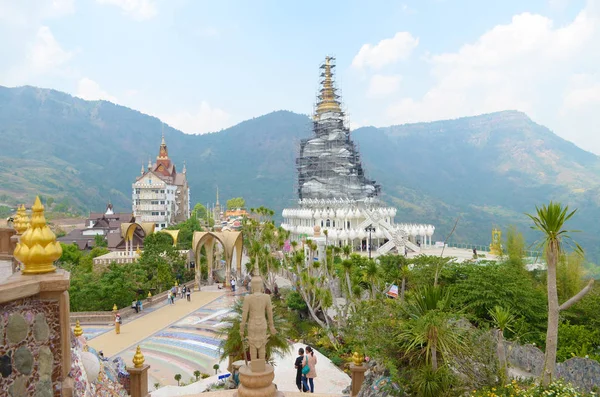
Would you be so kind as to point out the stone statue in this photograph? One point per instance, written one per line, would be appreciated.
(256, 305)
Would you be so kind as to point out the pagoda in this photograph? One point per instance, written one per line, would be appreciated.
(335, 198)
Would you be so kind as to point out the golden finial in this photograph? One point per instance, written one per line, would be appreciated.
(21, 222)
(38, 249)
(138, 358)
(149, 294)
(176, 283)
(138, 250)
(78, 331)
(115, 308)
(357, 358)
(327, 100)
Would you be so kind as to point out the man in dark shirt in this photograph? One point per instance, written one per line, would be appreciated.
(298, 366)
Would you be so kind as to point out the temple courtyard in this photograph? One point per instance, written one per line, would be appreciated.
(182, 338)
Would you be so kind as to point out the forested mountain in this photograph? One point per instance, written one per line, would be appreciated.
(488, 169)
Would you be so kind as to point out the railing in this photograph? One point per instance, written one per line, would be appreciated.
(153, 218)
(486, 248)
(150, 196)
(151, 207)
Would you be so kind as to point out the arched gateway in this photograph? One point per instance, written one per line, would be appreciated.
(231, 241)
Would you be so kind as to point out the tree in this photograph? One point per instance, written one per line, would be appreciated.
(550, 220)
(515, 247)
(216, 368)
(503, 320)
(197, 374)
(100, 241)
(177, 378)
(236, 202)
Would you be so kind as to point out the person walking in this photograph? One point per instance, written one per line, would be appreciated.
(134, 306)
(183, 291)
(188, 294)
(311, 360)
(233, 284)
(299, 376)
(118, 322)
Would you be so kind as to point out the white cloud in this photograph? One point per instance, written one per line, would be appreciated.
(46, 53)
(30, 13)
(583, 91)
(138, 9)
(90, 90)
(524, 65)
(386, 52)
(383, 85)
(204, 119)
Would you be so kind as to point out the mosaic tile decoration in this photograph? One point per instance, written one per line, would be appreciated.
(30, 348)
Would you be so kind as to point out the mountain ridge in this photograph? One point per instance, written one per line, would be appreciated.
(489, 169)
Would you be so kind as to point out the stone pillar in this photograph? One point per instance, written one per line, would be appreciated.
(358, 377)
(138, 381)
(138, 375)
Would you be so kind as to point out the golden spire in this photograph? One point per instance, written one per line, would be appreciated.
(142, 172)
(327, 99)
(38, 248)
(21, 222)
(138, 358)
(78, 331)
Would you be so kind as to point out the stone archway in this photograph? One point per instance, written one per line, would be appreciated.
(173, 233)
(231, 241)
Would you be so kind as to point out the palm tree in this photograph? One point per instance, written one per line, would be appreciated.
(503, 320)
(231, 343)
(550, 220)
(216, 368)
(346, 250)
(430, 330)
(371, 276)
(197, 374)
(177, 378)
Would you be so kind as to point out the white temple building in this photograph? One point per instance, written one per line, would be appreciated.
(334, 193)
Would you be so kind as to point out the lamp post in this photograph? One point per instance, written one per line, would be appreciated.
(369, 229)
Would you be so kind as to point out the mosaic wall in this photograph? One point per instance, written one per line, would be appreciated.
(30, 348)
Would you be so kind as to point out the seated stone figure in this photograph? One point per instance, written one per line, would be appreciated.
(256, 306)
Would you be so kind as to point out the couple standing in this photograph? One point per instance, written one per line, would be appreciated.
(305, 369)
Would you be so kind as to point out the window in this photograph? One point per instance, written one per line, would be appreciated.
(149, 181)
(154, 202)
(157, 224)
(137, 191)
(328, 223)
(162, 201)
(162, 225)
(162, 213)
(155, 213)
(162, 191)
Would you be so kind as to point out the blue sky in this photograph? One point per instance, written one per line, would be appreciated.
(202, 66)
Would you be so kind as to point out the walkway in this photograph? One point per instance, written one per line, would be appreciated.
(145, 326)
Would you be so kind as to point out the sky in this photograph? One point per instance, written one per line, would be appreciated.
(202, 66)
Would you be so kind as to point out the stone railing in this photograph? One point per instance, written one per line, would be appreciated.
(108, 317)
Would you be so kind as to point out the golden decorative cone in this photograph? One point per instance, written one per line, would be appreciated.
(357, 358)
(78, 331)
(38, 249)
(138, 358)
(149, 294)
(21, 222)
(115, 308)
(328, 101)
(176, 283)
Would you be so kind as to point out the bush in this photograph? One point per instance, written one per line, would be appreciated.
(556, 389)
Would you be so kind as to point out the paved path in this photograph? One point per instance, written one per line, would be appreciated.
(135, 331)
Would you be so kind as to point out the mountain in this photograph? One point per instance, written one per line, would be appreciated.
(487, 169)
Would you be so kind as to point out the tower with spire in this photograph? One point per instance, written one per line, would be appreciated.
(217, 209)
(334, 194)
(329, 164)
(161, 195)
